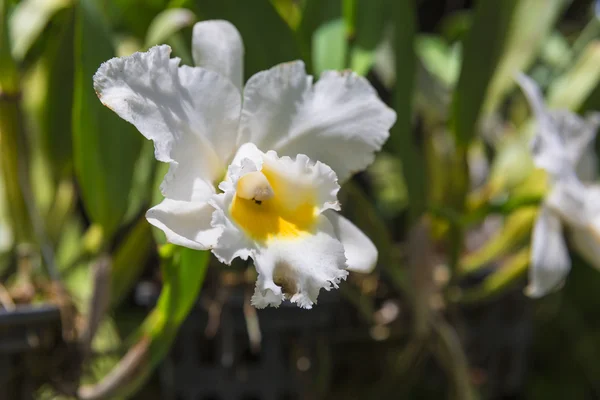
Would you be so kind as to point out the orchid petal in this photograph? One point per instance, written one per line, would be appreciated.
(550, 262)
(339, 116)
(569, 200)
(586, 235)
(218, 46)
(547, 148)
(361, 253)
(191, 114)
(185, 223)
(563, 142)
(577, 136)
(299, 269)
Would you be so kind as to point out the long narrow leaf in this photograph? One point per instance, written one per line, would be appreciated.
(525, 38)
(105, 147)
(28, 21)
(577, 83)
(402, 140)
(9, 78)
(57, 105)
(372, 17)
(483, 49)
(167, 23)
(12, 146)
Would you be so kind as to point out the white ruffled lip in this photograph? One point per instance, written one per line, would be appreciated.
(293, 269)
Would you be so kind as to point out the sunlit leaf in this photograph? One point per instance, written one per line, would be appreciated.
(317, 13)
(389, 189)
(168, 22)
(157, 197)
(361, 60)
(556, 51)
(509, 273)
(511, 166)
(515, 232)
(402, 140)
(330, 47)
(481, 54)
(289, 10)
(28, 21)
(571, 89)
(525, 38)
(134, 16)
(439, 58)
(13, 154)
(142, 181)
(455, 26)
(9, 79)
(105, 147)
(57, 104)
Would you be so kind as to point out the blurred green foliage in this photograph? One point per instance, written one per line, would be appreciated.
(76, 179)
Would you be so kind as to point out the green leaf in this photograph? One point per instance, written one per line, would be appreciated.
(330, 47)
(167, 23)
(13, 150)
(525, 38)
(133, 16)
(28, 21)
(388, 187)
(143, 179)
(182, 281)
(315, 14)
(483, 49)
(129, 260)
(439, 58)
(372, 17)
(268, 40)
(349, 15)
(515, 232)
(556, 52)
(9, 77)
(571, 89)
(507, 275)
(289, 10)
(105, 147)
(455, 26)
(157, 197)
(402, 140)
(57, 104)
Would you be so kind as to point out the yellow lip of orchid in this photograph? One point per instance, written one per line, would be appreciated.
(266, 211)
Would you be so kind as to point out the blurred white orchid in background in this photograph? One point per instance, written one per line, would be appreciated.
(279, 144)
(563, 145)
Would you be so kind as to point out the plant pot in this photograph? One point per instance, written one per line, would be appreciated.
(27, 334)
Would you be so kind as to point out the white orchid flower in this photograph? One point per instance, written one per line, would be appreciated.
(563, 146)
(278, 146)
